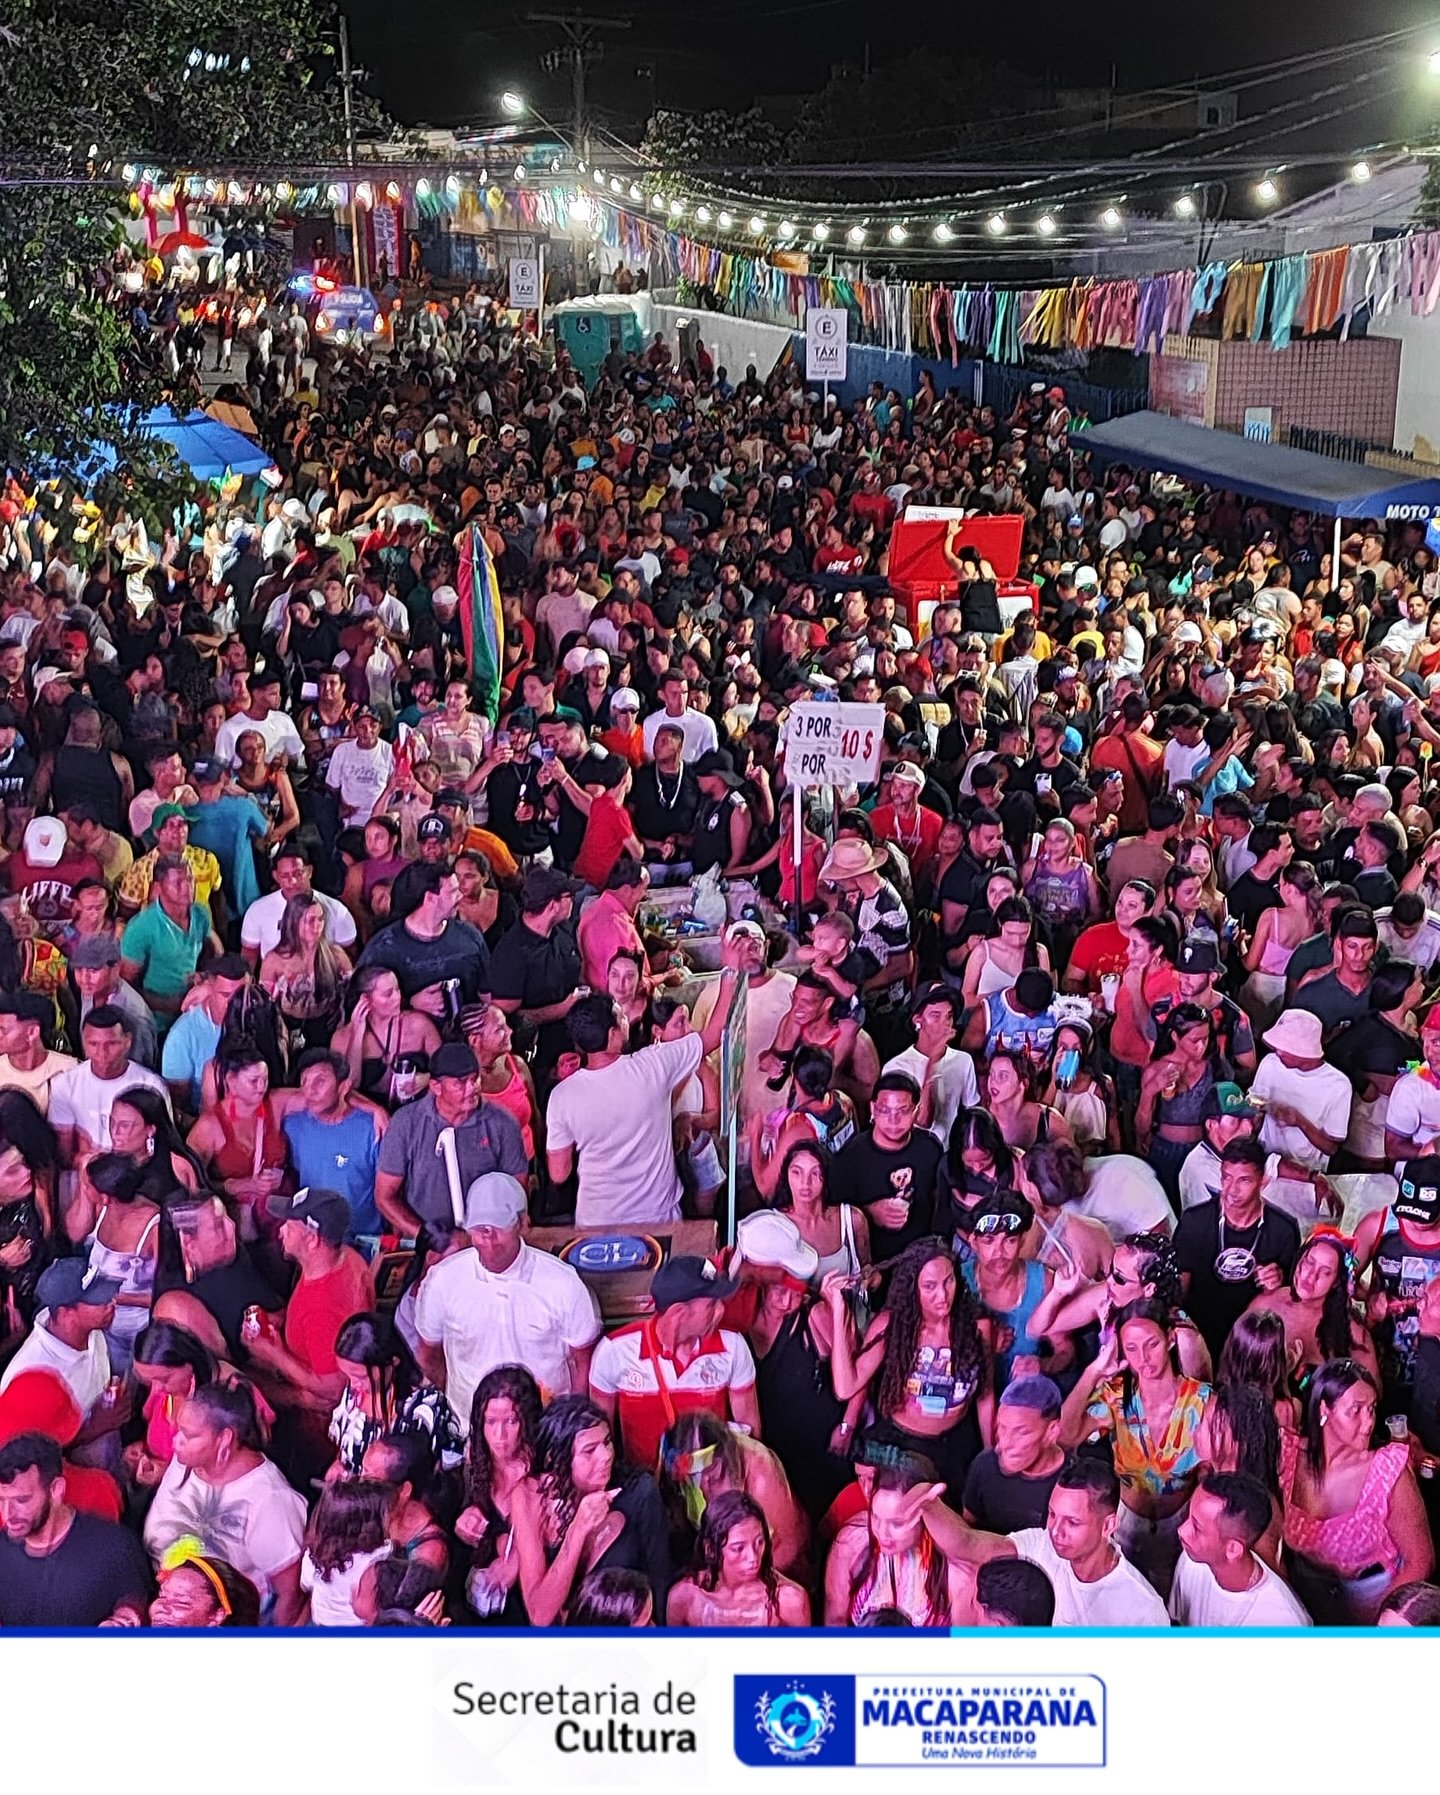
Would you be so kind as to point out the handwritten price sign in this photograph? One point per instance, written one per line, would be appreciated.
(834, 744)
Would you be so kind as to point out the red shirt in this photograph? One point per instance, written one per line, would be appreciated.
(607, 829)
(320, 1307)
(1101, 948)
(918, 841)
(48, 889)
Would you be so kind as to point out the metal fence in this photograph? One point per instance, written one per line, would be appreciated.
(1003, 385)
(1342, 448)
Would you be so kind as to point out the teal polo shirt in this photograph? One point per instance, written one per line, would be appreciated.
(166, 955)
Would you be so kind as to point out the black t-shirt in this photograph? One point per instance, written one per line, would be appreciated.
(966, 877)
(510, 785)
(1372, 1045)
(1335, 1004)
(1002, 1503)
(227, 1291)
(864, 1173)
(1249, 898)
(95, 1567)
(538, 970)
(1037, 779)
(458, 952)
(662, 808)
(1216, 1303)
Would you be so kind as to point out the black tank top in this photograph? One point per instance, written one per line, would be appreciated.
(1402, 1270)
(801, 1410)
(87, 775)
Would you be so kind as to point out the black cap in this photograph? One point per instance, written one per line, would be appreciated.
(453, 1059)
(1199, 954)
(715, 763)
(450, 796)
(324, 1212)
(1419, 1198)
(541, 887)
(685, 1279)
(432, 828)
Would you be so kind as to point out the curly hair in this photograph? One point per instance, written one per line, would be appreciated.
(722, 1517)
(560, 1426)
(511, 1383)
(902, 1336)
(1157, 1264)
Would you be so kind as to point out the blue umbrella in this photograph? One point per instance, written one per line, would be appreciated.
(210, 450)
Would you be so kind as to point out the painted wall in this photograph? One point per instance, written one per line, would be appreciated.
(1417, 409)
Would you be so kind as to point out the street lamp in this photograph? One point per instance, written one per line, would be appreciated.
(513, 103)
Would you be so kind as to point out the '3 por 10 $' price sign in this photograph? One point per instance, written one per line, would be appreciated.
(834, 744)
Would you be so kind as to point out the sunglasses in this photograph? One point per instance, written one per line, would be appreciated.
(1006, 1223)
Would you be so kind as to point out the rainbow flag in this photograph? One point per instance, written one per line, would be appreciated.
(480, 619)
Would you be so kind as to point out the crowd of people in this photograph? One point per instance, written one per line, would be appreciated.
(1087, 1195)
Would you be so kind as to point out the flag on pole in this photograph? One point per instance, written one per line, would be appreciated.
(481, 624)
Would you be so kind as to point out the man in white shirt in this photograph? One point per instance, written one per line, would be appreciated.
(615, 1114)
(1095, 1584)
(1410, 932)
(267, 719)
(700, 733)
(82, 1098)
(260, 928)
(565, 609)
(75, 1306)
(1219, 1582)
(360, 769)
(503, 1302)
(1412, 1113)
(1307, 1110)
(944, 1073)
(1186, 750)
(1125, 1196)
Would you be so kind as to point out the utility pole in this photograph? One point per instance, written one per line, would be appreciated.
(347, 80)
(582, 47)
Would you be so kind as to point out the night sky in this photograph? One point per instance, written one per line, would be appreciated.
(438, 62)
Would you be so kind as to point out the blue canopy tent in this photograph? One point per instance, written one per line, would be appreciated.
(209, 449)
(1259, 470)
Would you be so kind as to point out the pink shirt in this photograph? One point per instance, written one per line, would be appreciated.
(606, 929)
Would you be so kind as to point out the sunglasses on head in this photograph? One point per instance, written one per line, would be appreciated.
(1006, 1223)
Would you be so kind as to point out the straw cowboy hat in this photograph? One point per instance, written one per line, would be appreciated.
(850, 859)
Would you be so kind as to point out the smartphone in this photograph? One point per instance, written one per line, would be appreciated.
(547, 756)
(502, 738)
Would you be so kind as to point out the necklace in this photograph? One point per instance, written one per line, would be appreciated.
(674, 798)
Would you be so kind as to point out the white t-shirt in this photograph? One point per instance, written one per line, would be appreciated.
(955, 1084)
(78, 1099)
(278, 728)
(700, 733)
(1180, 762)
(1423, 947)
(1324, 1093)
(256, 1523)
(84, 1373)
(1125, 1195)
(1121, 1598)
(261, 927)
(332, 1596)
(621, 1367)
(360, 775)
(766, 1004)
(617, 1119)
(1413, 1110)
(1197, 1600)
(535, 1313)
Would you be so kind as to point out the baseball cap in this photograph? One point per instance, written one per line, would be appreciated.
(1191, 633)
(597, 657)
(1227, 1099)
(494, 1200)
(1038, 1393)
(44, 840)
(207, 772)
(453, 1060)
(445, 595)
(164, 812)
(94, 951)
(450, 797)
(770, 1238)
(625, 699)
(1199, 954)
(1419, 1198)
(687, 1278)
(432, 828)
(541, 886)
(1430, 1021)
(324, 1212)
(66, 1283)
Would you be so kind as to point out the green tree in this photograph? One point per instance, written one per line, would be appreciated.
(175, 83)
(685, 140)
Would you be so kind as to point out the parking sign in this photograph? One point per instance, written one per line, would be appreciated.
(827, 333)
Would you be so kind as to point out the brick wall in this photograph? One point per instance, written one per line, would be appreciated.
(1346, 387)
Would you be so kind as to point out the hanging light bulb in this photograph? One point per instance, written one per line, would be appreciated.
(484, 176)
(702, 214)
(1185, 206)
(365, 195)
(599, 178)
(284, 192)
(856, 234)
(581, 209)
(1045, 224)
(452, 186)
(1267, 192)
(635, 193)
(615, 186)
(422, 188)
(677, 208)
(727, 219)
(996, 224)
(757, 224)
(1110, 218)
(392, 191)
(821, 231)
(1360, 172)
(787, 227)
(519, 171)
(657, 202)
(943, 233)
(897, 233)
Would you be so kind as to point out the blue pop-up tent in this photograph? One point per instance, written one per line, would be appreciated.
(209, 449)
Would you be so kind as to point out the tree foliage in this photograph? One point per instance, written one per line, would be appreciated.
(128, 80)
(711, 139)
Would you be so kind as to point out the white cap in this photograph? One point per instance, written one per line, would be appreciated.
(44, 840)
(495, 1200)
(625, 699)
(597, 657)
(295, 511)
(770, 1237)
(1086, 579)
(574, 661)
(1190, 632)
(445, 595)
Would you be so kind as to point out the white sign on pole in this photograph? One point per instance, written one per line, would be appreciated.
(525, 283)
(827, 334)
(834, 744)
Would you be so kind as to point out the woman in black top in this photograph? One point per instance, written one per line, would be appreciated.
(805, 1421)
